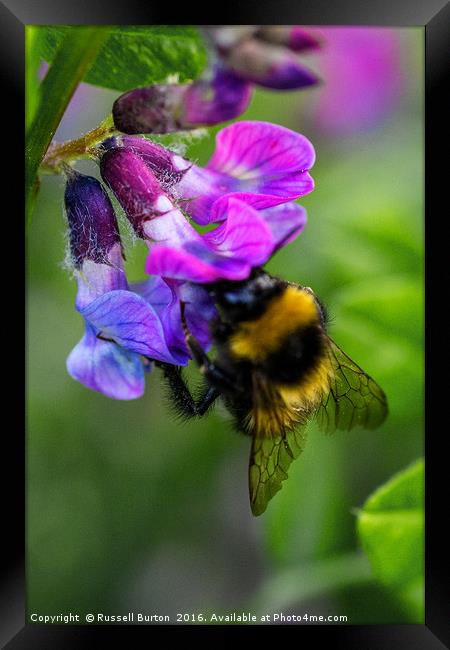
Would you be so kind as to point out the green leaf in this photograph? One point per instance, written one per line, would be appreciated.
(137, 55)
(391, 529)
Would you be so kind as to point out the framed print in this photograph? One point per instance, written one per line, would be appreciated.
(224, 265)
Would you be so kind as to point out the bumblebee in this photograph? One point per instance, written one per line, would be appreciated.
(275, 369)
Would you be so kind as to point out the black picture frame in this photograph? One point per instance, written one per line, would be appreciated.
(434, 17)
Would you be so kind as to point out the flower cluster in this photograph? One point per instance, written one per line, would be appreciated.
(247, 188)
(239, 58)
(266, 55)
(245, 194)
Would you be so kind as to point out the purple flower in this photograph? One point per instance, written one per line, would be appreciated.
(244, 239)
(264, 55)
(259, 163)
(123, 328)
(221, 97)
(268, 65)
(174, 107)
(165, 296)
(294, 37)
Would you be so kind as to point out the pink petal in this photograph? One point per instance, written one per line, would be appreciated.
(249, 150)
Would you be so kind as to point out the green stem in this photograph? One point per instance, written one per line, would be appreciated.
(31, 73)
(73, 59)
(82, 147)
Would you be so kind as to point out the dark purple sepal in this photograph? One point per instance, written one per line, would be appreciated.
(93, 228)
(134, 185)
(168, 167)
(154, 109)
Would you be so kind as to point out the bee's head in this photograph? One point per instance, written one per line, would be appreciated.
(245, 299)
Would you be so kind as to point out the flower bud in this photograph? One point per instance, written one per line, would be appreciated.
(168, 167)
(134, 185)
(176, 107)
(177, 176)
(269, 65)
(155, 109)
(93, 229)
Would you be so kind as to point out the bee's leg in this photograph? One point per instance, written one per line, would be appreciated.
(182, 398)
(213, 373)
(179, 392)
(207, 399)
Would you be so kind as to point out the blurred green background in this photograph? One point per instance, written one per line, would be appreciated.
(128, 509)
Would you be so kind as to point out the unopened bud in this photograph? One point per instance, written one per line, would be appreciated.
(177, 107)
(134, 185)
(168, 167)
(269, 65)
(155, 109)
(93, 229)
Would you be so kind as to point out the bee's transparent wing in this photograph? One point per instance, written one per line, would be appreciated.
(354, 399)
(270, 459)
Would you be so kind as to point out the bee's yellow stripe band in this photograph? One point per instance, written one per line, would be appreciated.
(256, 339)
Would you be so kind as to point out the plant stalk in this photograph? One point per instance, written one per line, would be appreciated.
(73, 59)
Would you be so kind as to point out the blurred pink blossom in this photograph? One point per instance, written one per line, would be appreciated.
(362, 77)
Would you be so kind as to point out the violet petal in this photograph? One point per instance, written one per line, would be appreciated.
(105, 367)
(229, 251)
(285, 221)
(131, 322)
